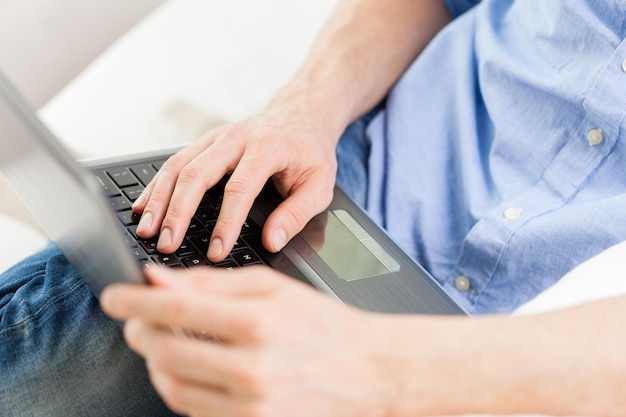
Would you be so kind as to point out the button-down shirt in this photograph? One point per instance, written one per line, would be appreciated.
(499, 161)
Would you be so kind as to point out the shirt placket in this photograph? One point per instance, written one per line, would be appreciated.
(587, 146)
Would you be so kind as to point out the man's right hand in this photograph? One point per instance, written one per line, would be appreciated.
(361, 52)
(283, 143)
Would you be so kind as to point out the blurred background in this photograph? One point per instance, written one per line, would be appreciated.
(46, 43)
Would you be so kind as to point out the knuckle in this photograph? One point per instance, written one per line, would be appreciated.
(158, 197)
(254, 327)
(173, 165)
(190, 173)
(236, 186)
(165, 352)
(298, 215)
(174, 214)
(229, 134)
(255, 378)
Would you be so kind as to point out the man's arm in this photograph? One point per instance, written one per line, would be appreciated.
(360, 53)
(569, 362)
(289, 350)
(362, 50)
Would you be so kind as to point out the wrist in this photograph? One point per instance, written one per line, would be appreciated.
(310, 103)
(448, 366)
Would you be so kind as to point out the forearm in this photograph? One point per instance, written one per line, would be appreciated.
(362, 50)
(569, 362)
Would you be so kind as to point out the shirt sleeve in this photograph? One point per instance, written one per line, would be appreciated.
(458, 7)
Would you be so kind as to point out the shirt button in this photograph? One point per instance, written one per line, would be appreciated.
(594, 137)
(512, 213)
(462, 283)
(624, 65)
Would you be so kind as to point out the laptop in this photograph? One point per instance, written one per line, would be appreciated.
(84, 207)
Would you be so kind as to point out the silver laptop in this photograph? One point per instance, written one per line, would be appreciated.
(85, 209)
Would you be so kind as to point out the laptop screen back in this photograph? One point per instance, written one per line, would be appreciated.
(61, 195)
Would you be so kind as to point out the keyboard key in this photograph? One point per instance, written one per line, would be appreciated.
(165, 260)
(132, 229)
(149, 245)
(130, 240)
(124, 185)
(246, 257)
(195, 260)
(120, 203)
(249, 227)
(208, 215)
(145, 172)
(128, 217)
(158, 165)
(207, 220)
(122, 177)
(201, 241)
(140, 254)
(195, 227)
(186, 248)
(110, 190)
(239, 244)
(133, 192)
(228, 264)
(207, 201)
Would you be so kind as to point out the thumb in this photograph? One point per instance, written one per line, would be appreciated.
(290, 217)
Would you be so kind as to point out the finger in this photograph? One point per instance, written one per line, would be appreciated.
(244, 282)
(187, 398)
(241, 190)
(290, 217)
(231, 319)
(159, 194)
(140, 204)
(200, 174)
(214, 366)
(156, 197)
(200, 362)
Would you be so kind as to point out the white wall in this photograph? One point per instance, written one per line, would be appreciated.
(45, 43)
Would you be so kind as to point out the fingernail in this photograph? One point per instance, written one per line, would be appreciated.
(165, 239)
(215, 248)
(279, 239)
(145, 222)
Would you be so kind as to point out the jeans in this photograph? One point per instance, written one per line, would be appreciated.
(61, 356)
(352, 154)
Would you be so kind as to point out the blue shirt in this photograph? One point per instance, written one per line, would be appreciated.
(499, 161)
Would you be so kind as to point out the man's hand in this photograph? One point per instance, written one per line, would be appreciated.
(284, 350)
(361, 52)
(282, 143)
(287, 350)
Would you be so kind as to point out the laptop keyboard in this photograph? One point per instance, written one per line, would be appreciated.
(123, 185)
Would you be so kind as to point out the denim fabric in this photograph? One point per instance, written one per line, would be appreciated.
(59, 354)
(353, 152)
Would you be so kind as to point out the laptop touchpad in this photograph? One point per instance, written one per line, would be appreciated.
(346, 247)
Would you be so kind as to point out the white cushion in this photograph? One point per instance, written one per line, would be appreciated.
(19, 240)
